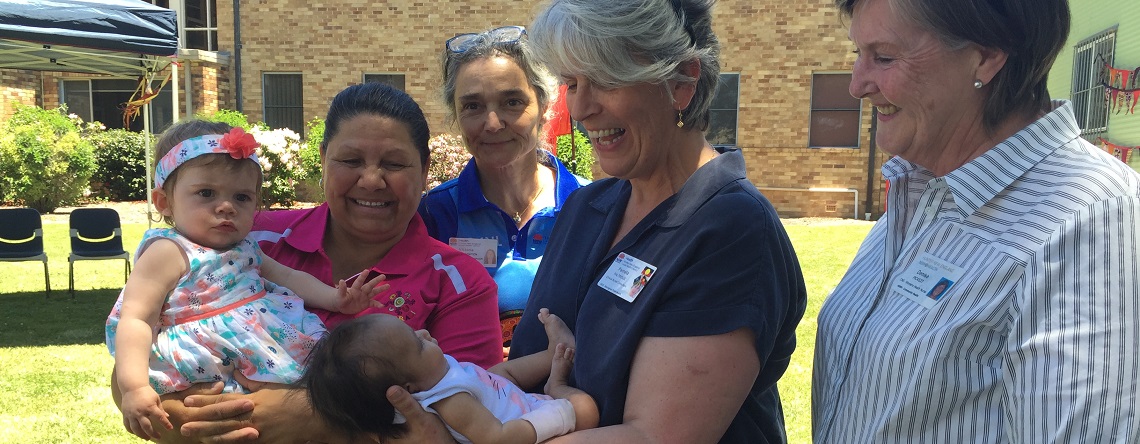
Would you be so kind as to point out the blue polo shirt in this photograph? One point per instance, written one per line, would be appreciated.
(457, 209)
(709, 260)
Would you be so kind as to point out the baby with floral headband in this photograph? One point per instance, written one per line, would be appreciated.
(203, 301)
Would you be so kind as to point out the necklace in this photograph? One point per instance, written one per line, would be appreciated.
(530, 203)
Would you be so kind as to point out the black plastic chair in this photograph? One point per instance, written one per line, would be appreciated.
(22, 239)
(96, 234)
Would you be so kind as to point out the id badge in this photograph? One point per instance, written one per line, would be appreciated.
(927, 280)
(483, 250)
(627, 276)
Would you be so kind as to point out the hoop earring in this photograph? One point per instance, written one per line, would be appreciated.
(978, 84)
(680, 119)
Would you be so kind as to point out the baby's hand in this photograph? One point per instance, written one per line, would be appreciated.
(359, 296)
(141, 409)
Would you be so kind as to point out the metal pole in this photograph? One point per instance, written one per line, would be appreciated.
(149, 163)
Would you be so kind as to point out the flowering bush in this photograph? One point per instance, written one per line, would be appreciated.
(280, 160)
(448, 157)
(279, 156)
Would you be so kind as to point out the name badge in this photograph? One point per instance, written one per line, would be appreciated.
(483, 250)
(927, 280)
(627, 276)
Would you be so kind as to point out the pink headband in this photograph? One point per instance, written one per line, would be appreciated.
(237, 143)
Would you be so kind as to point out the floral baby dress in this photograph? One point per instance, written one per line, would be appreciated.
(223, 316)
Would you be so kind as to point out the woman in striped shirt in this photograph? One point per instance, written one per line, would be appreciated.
(995, 196)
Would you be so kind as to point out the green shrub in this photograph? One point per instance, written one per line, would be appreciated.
(45, 162)
(120, 159)
(579, 161)
(309, 188)
(233, 118)
(311, 152)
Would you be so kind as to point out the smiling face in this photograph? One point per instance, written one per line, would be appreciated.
(211, 204)
(373, 178)
(922, 89)
(497, 111)
(631, 127)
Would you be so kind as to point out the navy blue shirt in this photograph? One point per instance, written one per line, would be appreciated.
(723, 262)
(458, 209)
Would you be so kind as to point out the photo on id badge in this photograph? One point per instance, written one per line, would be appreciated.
(640, 281)
(939, 289)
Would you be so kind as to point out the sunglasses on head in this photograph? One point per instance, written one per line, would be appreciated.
(501, 35)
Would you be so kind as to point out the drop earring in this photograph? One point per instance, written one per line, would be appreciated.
(978, 84)
(680, 119)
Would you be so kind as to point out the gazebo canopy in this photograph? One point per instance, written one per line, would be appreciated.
(117, 37)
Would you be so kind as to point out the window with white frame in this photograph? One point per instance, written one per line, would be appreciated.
(282, 95)
(101, 100)
(1089, 59)
(393, 80)
(197, 22)
(834, 120)
(723, 111)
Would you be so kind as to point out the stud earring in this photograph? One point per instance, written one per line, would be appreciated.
(978, 84)
(680, 119)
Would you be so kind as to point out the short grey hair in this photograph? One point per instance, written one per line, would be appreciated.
(621, 43)
(1030, 32)
(520, 52)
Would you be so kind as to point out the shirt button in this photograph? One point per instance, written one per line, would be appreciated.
(513, 238)
(931, 212)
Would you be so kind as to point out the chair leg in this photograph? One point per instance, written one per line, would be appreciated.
(71, 278)
(126, 270)
(47, 282)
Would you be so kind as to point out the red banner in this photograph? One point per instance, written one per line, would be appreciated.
(1120, 151)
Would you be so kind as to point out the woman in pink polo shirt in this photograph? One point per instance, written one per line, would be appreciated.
(374, 157)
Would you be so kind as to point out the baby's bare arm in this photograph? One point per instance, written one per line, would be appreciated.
(470, 418)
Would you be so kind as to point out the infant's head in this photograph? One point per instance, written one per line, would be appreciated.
(352, 367)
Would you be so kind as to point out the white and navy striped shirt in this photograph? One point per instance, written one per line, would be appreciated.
(1036, 338)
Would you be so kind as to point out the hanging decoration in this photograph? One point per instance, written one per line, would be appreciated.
(1120, 151)
(1121, 88)
(144, 93)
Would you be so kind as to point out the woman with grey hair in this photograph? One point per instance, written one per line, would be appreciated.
(1028, 233)
(685, 296)
(505, 200)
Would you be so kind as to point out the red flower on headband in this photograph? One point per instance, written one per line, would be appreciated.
(239, 143)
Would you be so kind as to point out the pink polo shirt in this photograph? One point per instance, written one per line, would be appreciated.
(433, 286)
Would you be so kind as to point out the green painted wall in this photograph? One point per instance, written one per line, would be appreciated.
(1090, 17)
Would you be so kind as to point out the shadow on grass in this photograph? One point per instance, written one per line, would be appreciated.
(28, 320)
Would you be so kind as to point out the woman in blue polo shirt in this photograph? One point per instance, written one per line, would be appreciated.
(506, 198)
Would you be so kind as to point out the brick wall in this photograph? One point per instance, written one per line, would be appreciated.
(17, 87)
(775, 46)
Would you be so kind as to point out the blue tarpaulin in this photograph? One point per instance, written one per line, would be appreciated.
(120, 37)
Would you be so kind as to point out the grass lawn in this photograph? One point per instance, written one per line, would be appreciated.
(54, 367)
